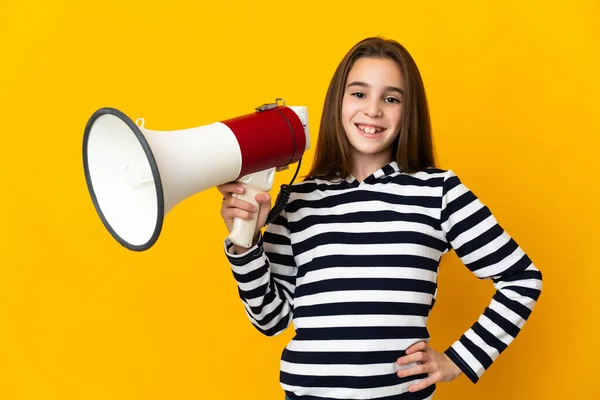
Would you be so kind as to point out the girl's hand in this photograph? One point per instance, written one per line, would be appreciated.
(232, 207)
(438, 365)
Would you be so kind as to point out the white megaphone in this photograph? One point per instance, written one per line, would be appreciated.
(135, 176)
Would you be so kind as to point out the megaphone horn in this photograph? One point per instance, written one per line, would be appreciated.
(135, 176)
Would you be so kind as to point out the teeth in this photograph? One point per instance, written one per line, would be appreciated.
(369, 129)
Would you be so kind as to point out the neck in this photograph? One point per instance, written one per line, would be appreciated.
(364, 165)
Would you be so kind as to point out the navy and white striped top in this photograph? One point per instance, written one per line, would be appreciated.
(354, 266)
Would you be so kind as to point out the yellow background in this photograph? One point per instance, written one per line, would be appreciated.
(513, 89)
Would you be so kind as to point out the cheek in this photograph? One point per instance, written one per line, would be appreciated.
(396, 117)
(345, 113)
(349, 109)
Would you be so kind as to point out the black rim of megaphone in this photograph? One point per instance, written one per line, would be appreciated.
(155, 175)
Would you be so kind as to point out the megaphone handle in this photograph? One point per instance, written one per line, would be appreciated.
(242, 233)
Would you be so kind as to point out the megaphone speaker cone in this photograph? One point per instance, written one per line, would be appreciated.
(123, 179)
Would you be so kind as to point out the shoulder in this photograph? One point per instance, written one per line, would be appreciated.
(315, 184)
(310, 190)
(429, 181)
(446, 179)
(429, 177)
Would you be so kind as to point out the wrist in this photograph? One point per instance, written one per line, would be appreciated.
(241, 250)
(455, 370)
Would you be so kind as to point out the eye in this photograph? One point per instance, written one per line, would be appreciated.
(360, 95)
(392, 100)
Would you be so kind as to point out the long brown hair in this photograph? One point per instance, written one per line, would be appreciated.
(413, 148)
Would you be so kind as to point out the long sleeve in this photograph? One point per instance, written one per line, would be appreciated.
(490, 253)
(266, 277)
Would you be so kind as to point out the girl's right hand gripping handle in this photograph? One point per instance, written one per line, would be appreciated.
(243, 231)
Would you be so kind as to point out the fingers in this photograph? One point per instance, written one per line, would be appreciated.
(237, 208)
(417, 353)
(429, 368)
(234, 207)
(437, 366)
(227, 189)
(423, 384)
(231, 213)
(263, 198)
(419, 346)
(417, 370)
(418, 356)
(264, 202)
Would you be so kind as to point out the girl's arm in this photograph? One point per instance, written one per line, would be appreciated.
(266, 277)
(490, 253)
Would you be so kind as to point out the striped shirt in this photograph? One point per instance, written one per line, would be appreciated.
(354, 266)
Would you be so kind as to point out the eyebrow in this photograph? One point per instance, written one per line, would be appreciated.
(387, 88)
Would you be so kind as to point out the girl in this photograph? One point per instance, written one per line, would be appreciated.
(353, 258)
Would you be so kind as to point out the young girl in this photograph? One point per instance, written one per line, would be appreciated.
(353, 258)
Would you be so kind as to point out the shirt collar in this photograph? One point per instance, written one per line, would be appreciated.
(387, 170)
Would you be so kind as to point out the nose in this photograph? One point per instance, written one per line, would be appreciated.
(372, 108)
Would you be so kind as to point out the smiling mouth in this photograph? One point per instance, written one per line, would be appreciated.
(371, 130)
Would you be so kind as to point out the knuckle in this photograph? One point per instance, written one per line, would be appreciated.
(236, 213)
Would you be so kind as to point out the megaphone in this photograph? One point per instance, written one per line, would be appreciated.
(135, 176)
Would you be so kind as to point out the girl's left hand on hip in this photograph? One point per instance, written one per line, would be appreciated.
(438, 365)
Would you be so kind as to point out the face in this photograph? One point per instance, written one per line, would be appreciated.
(372, 109)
